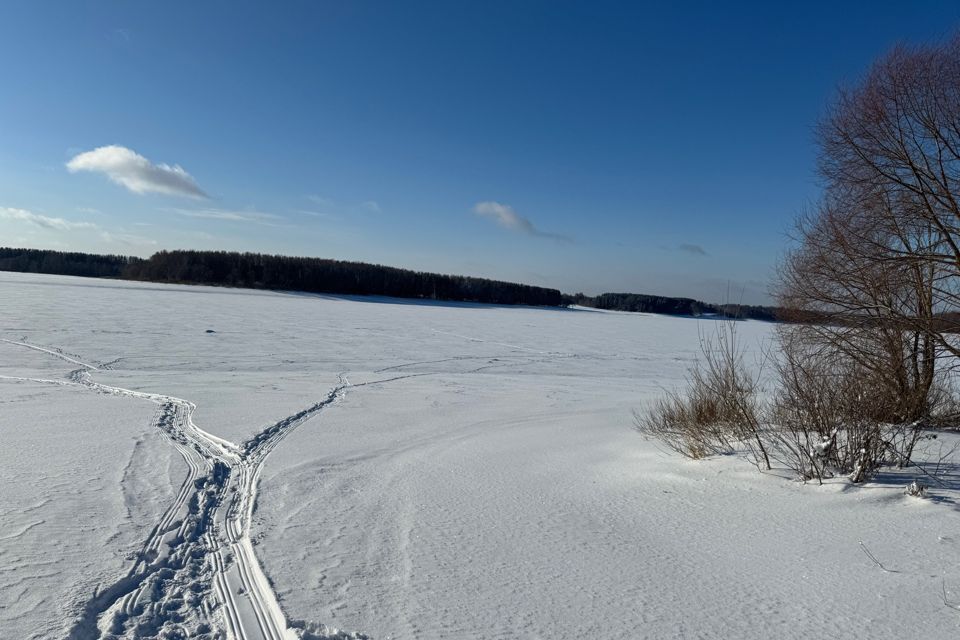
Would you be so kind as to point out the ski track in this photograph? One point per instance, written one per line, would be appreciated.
(196, 575)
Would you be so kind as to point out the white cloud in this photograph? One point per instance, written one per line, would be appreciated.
(226, 214)
(506, 217)
(131, 170)
(40, 220)
(371, 205)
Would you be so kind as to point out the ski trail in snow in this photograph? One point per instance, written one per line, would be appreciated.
(51, 352)
(165, 589)
(196, 574)
(197, 568)
(442, 360)
(502, 344)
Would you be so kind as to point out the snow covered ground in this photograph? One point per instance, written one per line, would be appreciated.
(83, 479)
(409, 470)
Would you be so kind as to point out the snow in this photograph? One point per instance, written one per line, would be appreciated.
(72, 511)
(412, 470)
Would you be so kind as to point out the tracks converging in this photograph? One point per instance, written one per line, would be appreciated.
(196, 574)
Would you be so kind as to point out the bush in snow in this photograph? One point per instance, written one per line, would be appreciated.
(825, 416)
(719, 412)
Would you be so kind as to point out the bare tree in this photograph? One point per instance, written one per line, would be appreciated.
(854, 306)
(872, 288)
(875, 277)
(891, 158)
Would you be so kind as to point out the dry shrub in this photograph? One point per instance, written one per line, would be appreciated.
(718, 413)
(828, 414)
(840, 412)
(820, 418)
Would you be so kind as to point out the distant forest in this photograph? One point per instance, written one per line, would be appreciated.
(68, 264)
(319, 275)
(638, 302)
(259, 271)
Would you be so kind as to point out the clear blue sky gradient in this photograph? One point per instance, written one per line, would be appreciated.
(669, 144)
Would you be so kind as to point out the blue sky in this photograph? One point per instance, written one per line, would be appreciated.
(650, 147)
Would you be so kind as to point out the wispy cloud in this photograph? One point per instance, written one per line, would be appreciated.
(127, 239)
(326, 205)
(506, 217)
(693, 249)
(40, 220)
(317, 214)
(131, 170)
(320, 201)
(210, 213)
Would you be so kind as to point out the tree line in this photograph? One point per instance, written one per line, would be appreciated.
(64, 263)
(642, 303)
(260, 271)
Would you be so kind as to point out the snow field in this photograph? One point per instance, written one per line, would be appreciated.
(414, 470)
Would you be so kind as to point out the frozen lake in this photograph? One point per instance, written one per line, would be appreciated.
(220, 461)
